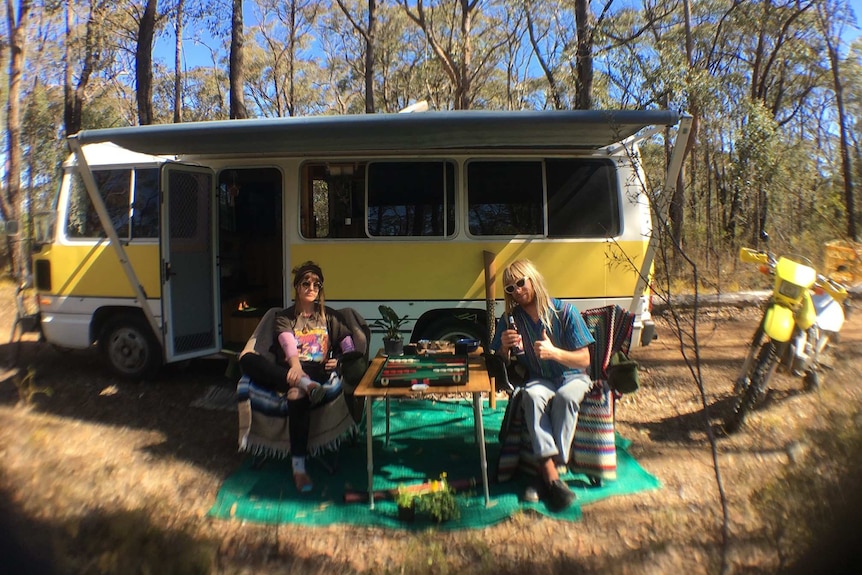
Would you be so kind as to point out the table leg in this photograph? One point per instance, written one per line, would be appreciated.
(369, 449)
(479, 426)
(387, 421)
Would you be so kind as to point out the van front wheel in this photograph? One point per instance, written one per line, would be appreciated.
(128, 344)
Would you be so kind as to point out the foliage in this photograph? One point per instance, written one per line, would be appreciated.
(25, 382)
(390, 322)
(812, 510)
(438, 502)
(439, 505)
(757, 76)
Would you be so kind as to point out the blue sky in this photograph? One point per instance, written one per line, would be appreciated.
(201, 53)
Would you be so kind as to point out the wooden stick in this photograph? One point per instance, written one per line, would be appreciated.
(381, 494)
(490, 301)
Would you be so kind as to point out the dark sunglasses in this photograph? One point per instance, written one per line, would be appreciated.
(308, 284)
(518, 284)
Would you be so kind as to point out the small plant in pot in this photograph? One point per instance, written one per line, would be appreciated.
(406, 502)
(393, 342)
(439, 503)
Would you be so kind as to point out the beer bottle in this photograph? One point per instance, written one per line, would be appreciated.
(515, 349)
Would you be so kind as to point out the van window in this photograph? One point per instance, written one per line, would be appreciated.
(403, 199)
(411, 199)
(333, 200)
(122, 200)
(578, 198)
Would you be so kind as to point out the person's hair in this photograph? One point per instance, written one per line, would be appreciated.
(299, 272)
(526, 269)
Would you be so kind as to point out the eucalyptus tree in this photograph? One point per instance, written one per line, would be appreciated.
(463, 39)
(518, 88)
(86, 53)
(280, 66)
(828, 18)
(17, 24)
(237, 66)
(144, 62)
(368, 31)
(179, 24)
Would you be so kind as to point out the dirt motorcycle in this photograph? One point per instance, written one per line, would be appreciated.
(804, 313)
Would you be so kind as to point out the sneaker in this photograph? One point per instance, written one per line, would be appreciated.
(316, 394)
(560, 497)
(531, 494)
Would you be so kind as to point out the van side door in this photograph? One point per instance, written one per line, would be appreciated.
(188, 253)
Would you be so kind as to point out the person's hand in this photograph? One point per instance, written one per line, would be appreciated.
(544, 348)
(293, 375)
(511, 339)
(331, 364)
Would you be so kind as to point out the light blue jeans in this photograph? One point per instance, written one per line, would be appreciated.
(551, 414)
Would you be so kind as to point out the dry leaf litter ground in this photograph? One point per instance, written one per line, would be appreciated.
(98, 475)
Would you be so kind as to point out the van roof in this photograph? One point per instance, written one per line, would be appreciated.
(469, 129)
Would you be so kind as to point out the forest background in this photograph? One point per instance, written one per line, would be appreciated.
(774, 88)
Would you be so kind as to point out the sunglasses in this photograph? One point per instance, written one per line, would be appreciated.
(308, 284)
(518, 284)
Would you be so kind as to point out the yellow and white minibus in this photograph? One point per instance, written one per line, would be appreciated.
(169, 241)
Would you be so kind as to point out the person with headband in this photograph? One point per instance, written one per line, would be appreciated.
(555, 341)
(310, 338)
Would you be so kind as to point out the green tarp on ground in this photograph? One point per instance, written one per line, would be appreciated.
(427, 438)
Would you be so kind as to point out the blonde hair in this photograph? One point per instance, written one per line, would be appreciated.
(526, 269)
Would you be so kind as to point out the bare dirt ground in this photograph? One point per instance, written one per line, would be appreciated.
(103, 476)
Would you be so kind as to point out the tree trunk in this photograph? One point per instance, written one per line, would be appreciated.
(369, 56)
(71, 112)
(369, 35)
(10, 200)
(846, 165)
(144, 63)
(73, 93)
(237, 69)
(584, 56)
(178, 63)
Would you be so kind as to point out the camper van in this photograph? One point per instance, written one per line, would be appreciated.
(169, 242)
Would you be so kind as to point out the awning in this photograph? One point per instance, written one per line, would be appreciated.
(452, 130)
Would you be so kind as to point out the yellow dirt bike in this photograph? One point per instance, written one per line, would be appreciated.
(804, 312)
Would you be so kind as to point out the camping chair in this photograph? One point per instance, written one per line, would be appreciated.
(593, 450)
(263, 415)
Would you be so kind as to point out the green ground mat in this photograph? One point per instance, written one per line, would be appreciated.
(427, 438)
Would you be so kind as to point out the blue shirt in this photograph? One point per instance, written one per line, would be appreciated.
(567, 331)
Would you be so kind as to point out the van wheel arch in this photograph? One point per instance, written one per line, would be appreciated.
(446, 326)
(129, 346)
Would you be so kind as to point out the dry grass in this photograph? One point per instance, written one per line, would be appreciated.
(104, 476)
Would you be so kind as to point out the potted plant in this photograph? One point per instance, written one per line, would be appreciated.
(393, 342)
(406, 502)
(439, 503)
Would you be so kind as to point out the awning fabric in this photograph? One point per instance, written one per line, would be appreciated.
(452, 130)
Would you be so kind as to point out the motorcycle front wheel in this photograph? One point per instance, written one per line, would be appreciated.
(743, 380)
(755, 392)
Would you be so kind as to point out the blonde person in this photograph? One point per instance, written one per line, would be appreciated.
(555, 341)
(309, 339)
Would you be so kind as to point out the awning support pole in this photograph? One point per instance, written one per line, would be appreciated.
(660, 205)
(113, 238)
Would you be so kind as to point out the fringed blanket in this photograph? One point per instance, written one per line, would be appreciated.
(263, 422)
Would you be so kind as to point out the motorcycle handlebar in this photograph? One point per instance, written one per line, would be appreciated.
(836, 290)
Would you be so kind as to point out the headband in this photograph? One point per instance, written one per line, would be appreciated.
(299, 273)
